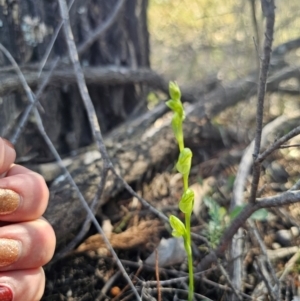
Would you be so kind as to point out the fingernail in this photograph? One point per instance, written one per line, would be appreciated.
(8, 143)
(9, 201)
(9, 251)
(5, 293)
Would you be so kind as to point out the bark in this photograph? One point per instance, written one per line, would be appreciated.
(27, 29)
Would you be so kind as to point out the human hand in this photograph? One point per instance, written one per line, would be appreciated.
(27, 240)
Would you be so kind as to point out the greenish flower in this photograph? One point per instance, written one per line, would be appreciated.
(177, 226)
(177, 107)
(186, 203)
(184, 161)
(174, 91)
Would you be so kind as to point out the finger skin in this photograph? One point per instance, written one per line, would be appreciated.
(33, 235)
(7, 156)
(32, 190)
(37, 243)
(26, 285)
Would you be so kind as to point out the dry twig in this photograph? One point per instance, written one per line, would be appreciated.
(273, 284)
(31, 106)
(268, 8)
(157, 276)
(239, 186)
(73, 54)
(102, 28)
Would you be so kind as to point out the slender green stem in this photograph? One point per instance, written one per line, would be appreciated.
(185, 182)
(188, 250)
(188, 247)
(180, 141)
(183, 166)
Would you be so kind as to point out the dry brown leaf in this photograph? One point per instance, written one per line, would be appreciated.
(135, 236)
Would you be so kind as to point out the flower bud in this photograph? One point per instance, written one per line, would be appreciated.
(186, 203)
(184, 161)
(174, 91)
(177, 226)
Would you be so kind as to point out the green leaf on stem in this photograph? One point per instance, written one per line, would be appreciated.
(186, 203)
(184, 161)
(177, 226)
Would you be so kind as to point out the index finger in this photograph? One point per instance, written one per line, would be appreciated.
(7, 155)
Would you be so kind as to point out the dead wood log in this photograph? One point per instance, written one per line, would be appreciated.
(133, 159)
(111, 75)
(137, 148)
(93, 75)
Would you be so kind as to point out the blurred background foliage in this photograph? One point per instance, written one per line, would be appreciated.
(195, 39)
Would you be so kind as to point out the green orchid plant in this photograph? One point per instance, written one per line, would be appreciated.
(183, 166)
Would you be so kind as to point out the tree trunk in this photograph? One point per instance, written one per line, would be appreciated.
(26, 30)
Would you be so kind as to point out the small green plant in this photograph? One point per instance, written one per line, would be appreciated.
(183, 166)
(219, 219)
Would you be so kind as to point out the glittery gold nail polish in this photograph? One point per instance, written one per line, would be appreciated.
(9, 201)
(9, 251)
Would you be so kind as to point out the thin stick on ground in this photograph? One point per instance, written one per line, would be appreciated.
(51, 44)
(278, 144)
(255, 26)
(127, 286)
(92, 117)
(269, 13)
(157, 276)
(225, 274)
(266, 278)
(223, 287)
(108, 284)
(289, 146)
(142, 200)
(29, 108)
(289, 265)
(176, 280)
(275, 290)
(102, 28)
(177, 290)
